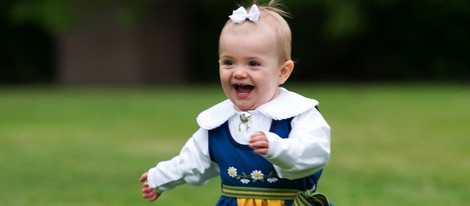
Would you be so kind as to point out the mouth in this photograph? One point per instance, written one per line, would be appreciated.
(243, 90)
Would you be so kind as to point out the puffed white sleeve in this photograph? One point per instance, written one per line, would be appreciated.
(193, 165)
(307, 149)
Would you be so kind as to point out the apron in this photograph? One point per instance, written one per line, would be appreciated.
(248, 179)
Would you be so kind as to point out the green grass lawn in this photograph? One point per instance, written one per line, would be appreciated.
(391, 144)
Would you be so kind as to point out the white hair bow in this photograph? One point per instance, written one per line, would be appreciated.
(240, 15)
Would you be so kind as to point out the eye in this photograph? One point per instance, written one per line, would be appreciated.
(227, 62)
(253, 63)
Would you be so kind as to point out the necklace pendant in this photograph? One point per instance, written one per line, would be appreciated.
(244, 122)
(243, 127)
(245, 117)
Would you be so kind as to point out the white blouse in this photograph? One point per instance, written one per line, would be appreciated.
(306, 151)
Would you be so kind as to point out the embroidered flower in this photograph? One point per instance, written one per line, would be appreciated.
(232, 171)
(257, 175)
(245, 181)
(253, 177)
(272, 180)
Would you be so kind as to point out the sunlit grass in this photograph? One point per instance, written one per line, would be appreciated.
(392, 144)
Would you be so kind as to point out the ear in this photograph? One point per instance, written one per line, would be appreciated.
(286, 70)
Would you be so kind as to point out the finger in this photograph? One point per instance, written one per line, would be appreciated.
(153, 198)
(146, 184)
(147, 190)
(259, 136)
(150, 197)
(259, 144)
(148, 193)
(263, 151)
(143, 178)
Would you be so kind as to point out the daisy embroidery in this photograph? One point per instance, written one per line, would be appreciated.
(254, 176)
(257, 175)
(245, 181)
(272, 177)
(232, 171)
(272, 180)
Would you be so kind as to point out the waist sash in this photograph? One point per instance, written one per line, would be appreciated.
(299, 198)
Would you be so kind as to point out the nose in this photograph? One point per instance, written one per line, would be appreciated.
(239, 72)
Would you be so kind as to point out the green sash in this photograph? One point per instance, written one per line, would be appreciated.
(299, 198)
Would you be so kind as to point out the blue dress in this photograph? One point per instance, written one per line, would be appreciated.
(241, 167)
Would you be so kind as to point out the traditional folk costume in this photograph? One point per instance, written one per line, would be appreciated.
(299, 148)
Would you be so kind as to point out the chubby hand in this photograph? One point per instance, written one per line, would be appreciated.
(148, 192)
(259, 143)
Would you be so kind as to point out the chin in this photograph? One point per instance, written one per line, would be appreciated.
(245, 107)
(242, 107)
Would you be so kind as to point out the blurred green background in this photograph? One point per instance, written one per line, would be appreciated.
(335, 40)
(391, 144)
(93, 93)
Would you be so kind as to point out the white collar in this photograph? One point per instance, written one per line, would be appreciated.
(288, 104)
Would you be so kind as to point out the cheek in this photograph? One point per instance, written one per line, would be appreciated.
(224, 75)
(268, 84)
(269, 78)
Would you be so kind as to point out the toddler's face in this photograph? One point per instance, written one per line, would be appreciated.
(250, 69)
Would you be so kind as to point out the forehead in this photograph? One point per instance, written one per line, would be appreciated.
(247, 34)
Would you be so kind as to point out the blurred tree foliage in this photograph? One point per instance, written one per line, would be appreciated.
(332, 39)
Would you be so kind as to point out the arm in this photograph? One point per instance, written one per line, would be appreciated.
(306, 151)
(193, 166)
